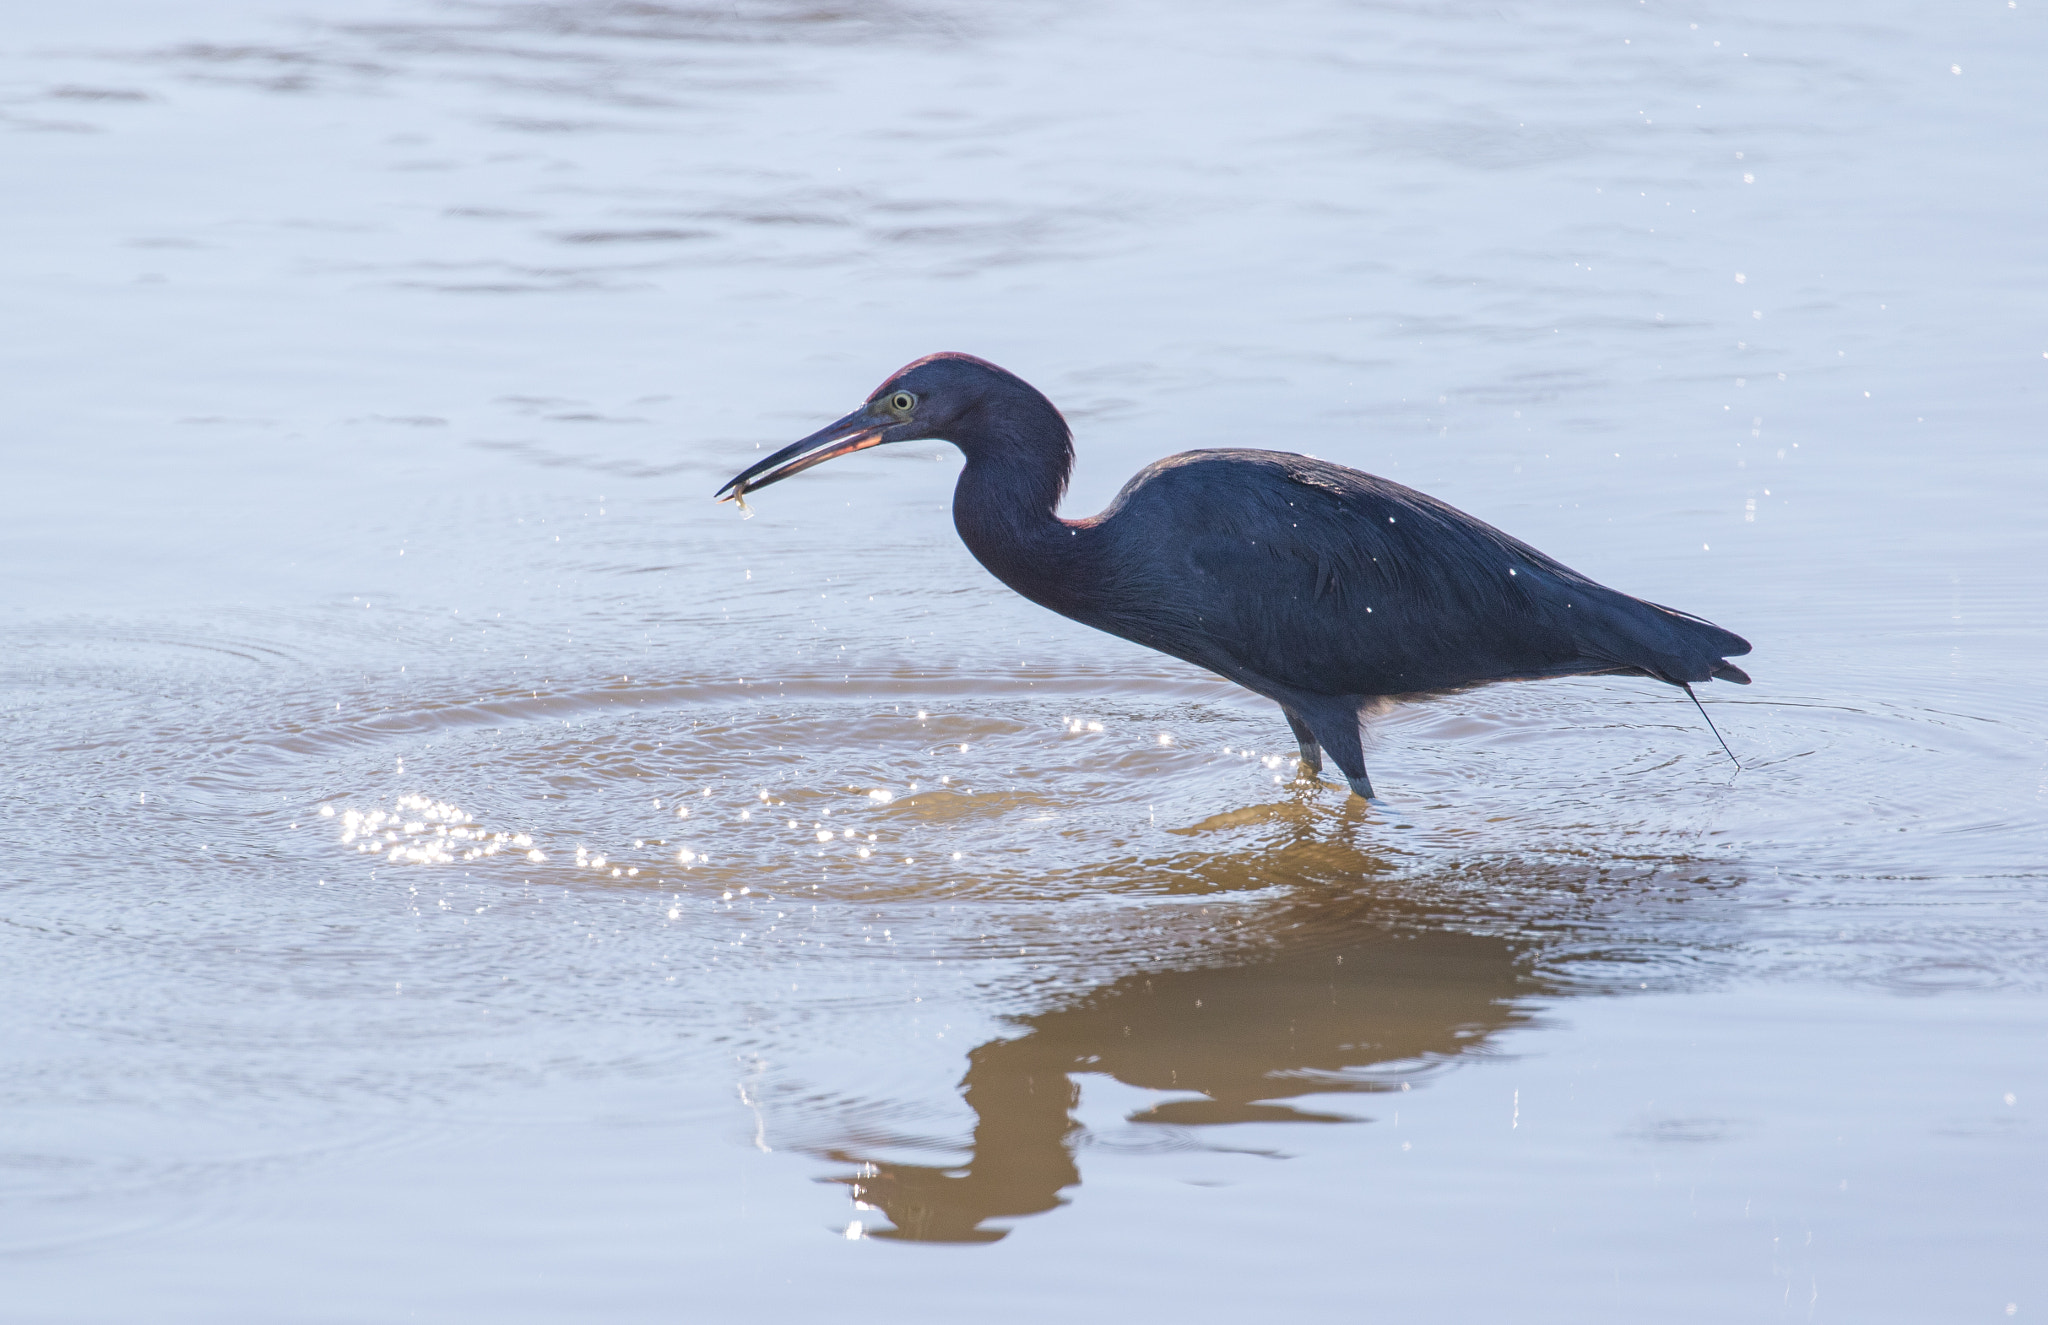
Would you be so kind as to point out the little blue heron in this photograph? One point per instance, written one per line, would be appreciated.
(1324, 589)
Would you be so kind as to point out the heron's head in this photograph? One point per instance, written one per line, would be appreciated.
(957, 397)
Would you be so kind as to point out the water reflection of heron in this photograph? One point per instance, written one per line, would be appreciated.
(1331, 1006)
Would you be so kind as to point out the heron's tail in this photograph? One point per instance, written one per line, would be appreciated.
(1728, 671)
(1674, 647)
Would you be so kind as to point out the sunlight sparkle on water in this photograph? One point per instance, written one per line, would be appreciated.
(441, 834)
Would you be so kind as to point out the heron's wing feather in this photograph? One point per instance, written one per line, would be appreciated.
(1329, 580)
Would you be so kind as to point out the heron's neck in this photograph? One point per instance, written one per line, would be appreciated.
(1006, 507)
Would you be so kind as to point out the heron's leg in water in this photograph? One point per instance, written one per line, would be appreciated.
(1333, 723)
(1311, 752)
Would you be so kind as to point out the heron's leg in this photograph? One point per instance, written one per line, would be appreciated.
(1311, 752)
(1333, 723)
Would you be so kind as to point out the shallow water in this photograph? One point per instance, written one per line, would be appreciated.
(453, 869)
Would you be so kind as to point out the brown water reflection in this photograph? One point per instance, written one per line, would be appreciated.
(1308, 1016)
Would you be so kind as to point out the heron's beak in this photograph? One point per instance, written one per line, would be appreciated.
(856, 432)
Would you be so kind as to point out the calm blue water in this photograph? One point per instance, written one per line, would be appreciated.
(367, 623)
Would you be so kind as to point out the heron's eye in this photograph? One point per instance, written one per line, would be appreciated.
(903, 402)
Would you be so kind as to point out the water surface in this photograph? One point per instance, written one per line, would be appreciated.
(453, 869)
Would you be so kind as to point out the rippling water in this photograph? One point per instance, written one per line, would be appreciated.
(453, 869)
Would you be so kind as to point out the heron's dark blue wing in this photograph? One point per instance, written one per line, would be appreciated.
(1328, 580)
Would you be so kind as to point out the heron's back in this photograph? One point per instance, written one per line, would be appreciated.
(1265, 564)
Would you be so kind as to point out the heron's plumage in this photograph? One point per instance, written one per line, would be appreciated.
(1323, 588)
(1326, 579)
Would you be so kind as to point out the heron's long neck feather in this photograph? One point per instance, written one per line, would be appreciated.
(1006, 507)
